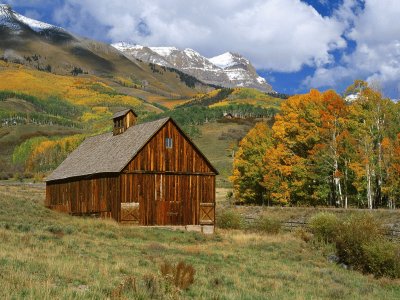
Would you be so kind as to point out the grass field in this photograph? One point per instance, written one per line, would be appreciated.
(217, 149)
(47, 255)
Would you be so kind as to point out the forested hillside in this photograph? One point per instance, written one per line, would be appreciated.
(324, 151)
(44, 116)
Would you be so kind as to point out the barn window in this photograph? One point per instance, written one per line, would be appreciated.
(168, 142)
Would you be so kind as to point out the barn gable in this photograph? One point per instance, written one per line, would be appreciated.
(170, 150)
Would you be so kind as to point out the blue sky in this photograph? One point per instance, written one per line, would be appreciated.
(296, 45)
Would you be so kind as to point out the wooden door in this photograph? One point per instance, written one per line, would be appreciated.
(207, 213)
(130, 212)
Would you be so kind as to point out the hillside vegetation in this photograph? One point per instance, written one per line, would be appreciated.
(56, 110)
(48, 255)
(228, 96)
(324, 151)
(45, 116)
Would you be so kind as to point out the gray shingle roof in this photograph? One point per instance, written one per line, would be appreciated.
(106, 153)
(122, 113)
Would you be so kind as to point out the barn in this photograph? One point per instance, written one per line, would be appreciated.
(145, 174)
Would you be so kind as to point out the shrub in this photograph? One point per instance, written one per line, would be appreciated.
(353, 234)
(324, 226)
(180, 275)
(230, 219)
(268, 225)
(382, 258)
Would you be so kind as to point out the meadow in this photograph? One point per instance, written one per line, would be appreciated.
(48, 255)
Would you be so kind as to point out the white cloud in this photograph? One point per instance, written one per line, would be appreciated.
(376, 58)
(280, 35)
(33, 14)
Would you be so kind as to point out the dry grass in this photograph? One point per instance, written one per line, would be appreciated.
(47, 255)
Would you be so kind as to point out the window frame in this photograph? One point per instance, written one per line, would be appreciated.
(169, 143)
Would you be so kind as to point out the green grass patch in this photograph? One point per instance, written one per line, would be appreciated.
(49, 255)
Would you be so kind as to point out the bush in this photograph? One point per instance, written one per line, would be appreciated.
(382, 258)
(268, 225)
(324, 226)
(359, 242)
(230, 219)
(353, 234)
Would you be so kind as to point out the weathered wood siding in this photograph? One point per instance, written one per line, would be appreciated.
(96, 195)
(182, 157)
(167, 199)
(170, 184)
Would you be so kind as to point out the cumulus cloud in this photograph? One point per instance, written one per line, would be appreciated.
(279, 35)
(376, 57)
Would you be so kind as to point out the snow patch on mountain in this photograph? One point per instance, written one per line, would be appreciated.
(13, 20)
(163, 51)
(6, 17)
(261, 80)
(33, 24)
(223, 61)
(191, 53)
(122, 46)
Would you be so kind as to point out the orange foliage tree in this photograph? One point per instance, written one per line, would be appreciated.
(325, 151)
(247, 165)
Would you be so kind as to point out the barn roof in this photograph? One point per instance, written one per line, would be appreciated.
(108, 153)
(123, 113)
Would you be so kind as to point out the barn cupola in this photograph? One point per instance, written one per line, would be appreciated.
(123, 120)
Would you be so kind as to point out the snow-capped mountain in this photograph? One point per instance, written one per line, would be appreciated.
(143, 53)
(227, 70)
(12, 20)
(239, 70)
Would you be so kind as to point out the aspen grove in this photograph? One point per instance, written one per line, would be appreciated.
(323, 150)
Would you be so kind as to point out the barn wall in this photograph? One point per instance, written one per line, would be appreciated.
(182, 157)
(168, 199)
(170, 184)
(98, 194)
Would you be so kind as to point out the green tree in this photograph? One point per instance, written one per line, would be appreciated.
(247, 165)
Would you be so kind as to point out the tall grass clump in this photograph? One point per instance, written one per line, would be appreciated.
(180, 275)
(267, 224)
(324, 226)
(230, 219)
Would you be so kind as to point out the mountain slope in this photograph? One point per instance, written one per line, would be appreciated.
(229, 96)
(53, 49)
(226, 70)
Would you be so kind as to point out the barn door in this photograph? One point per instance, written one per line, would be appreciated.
(130, 212)
(174, 214)
(207, 213)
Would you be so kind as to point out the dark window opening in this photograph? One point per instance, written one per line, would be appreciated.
(168, 142)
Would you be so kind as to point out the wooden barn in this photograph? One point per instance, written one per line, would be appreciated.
(147, 174)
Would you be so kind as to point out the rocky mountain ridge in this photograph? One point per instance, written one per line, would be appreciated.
(226, 70)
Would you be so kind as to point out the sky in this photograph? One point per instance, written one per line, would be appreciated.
(295, 44)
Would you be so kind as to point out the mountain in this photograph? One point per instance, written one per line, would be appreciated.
(53, 49)
(226, 70)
